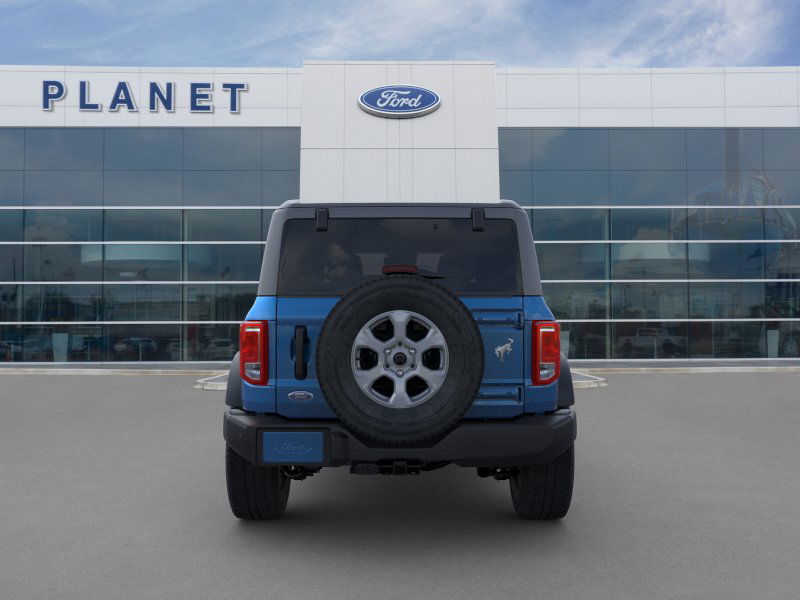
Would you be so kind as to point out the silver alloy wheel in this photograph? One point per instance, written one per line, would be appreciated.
(399, 359)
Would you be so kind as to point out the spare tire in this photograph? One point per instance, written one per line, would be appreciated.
(400, 360)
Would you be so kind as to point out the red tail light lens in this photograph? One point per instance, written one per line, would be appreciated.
(546, 352)
(253, 352)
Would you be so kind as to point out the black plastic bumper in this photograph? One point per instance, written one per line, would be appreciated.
(526, 440)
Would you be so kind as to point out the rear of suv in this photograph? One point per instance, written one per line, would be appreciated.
(395, 339)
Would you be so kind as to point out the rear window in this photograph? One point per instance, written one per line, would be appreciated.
(352, 251)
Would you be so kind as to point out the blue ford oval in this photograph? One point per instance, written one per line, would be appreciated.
(399, 101)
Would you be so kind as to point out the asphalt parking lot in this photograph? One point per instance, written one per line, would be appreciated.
(687, 486)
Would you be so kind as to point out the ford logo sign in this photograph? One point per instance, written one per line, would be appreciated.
(399, 101)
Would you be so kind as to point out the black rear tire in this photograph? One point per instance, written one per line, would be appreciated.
(255, 492)
(544, 491)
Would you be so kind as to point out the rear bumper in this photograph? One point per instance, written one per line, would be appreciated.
(525, 440)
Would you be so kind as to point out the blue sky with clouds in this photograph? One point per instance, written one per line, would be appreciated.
(583, 33)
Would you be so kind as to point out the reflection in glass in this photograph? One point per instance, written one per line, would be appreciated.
(648, 187)
(280, 148)
(514, 149)
(143, 342)
(63, 262)
(724, 149)
(561, 188)
(650, 339)
(584, 340)
(10, 304)
(11, 263)
(236, 262)
(219, 302)
(720, 339)
(573, 261)
(782, 260)
(726, 261)
(153, 262)
(782, 148)
(63, 225)
(279, 186)
(12, 148)
(222, 225)
(63, 148)
(577, 300)
(570, 149)
(63, 188)
(726, 300)
(733, 188)
(11, 188)
(10, 226)
(648, 261)
(62, 343)
(570, 225)
(211, 342)
(142, 225)
(648, 149)
(783, 299)
(517, 186)
(726, 224)
(648, 300)
(142, 302)
(143, 148)
(213, 188)
(648, 224)
(783, 340)
(222, 148)
(62, 303)
(142, 188)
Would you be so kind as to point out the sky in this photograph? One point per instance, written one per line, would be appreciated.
(580, 33)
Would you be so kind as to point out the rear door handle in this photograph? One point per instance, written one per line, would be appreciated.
(300, 365)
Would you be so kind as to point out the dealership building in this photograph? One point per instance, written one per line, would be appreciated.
(134, 202)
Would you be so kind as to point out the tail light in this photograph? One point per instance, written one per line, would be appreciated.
(546, 352)
(253, 352)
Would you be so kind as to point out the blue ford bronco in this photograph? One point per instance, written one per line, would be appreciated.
(399, 338)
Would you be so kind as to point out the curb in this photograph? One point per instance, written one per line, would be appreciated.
(696, 370)
(57, 371)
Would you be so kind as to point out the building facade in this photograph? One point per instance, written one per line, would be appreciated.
(134, 202)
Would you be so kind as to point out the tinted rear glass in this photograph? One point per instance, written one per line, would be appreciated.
(352, 251)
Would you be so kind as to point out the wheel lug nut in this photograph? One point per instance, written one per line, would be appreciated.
(413, 366)
(386, 366)
(399, 373)
(412, 351)
(387, 351)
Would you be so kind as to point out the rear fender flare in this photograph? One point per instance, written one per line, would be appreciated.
(566, 394)
(233, 393)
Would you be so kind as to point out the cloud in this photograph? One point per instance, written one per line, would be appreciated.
(586, 33)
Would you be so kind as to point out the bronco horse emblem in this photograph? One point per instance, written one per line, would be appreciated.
(501, 351)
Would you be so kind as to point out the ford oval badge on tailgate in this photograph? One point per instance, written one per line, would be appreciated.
(399, 101)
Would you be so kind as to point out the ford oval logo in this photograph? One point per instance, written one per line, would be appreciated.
(300, 396)
(399, 101)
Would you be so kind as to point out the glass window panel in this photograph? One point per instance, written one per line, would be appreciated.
(12, 148)
(11, 338)
(783, 261)
(783, 187)
(221, 188)
(266, 217)
(62, 343)
(784, 341)
(222, 225)
(211, 342)
(142, 302)
(11, 189)
(726, 261)
(572, 224)
(10, 226)
(782, 223)
(584, 340)
(142, 225)
(65, 188)
(648, 261)
(648, 224)
(517, 186)
(648, 149)
(570, 149)
(783, 299)
(514, 147)
(731, 188)
(720, 339)
(222, 148)
(61, 303)
(63, 225)
(237, 262)
(726, 224)
(650, 339)
(577, 300)
(143, 148)
(726, 300)
(573, 261)
(571, 187)
(143, 342)
(782, 148)
(63, 148)
(153, 262)
(648, 187)
(280, 148)
(637, 300)
(10, 306)
(724, 149)
(219, 302)
(142, 188)
(11, 263)
(279, 186)
(63, 262)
